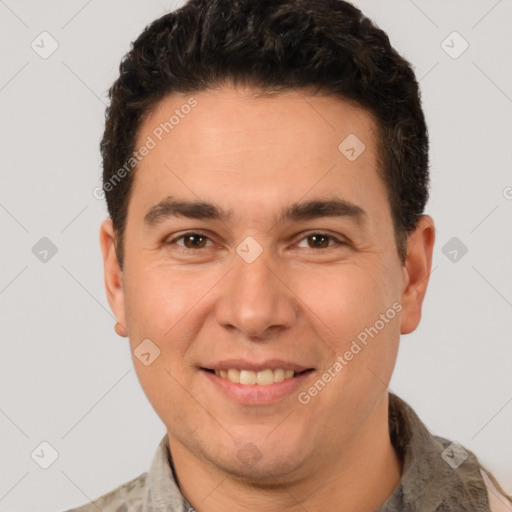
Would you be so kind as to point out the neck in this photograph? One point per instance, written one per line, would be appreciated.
(359, 477)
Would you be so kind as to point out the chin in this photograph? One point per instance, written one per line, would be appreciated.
(262, 458)
(265, 473)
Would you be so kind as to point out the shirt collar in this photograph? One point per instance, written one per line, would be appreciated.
(428, 482)
(161, 492)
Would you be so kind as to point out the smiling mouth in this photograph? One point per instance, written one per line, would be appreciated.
(260, 378)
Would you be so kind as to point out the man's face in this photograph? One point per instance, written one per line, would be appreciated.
(258, 290)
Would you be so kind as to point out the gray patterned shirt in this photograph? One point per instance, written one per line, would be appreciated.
(438, 476)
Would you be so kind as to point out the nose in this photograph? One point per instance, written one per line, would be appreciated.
(256, 299)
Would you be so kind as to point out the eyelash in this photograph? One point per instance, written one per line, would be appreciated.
(306, 235)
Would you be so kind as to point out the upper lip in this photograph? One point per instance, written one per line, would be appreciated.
(243, 364)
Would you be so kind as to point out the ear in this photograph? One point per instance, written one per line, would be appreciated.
(113, 274)
(417, 268)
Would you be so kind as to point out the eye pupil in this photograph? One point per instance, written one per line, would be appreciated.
(190, 238)
(316, 238)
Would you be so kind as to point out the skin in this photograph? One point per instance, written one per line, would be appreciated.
(295, 302)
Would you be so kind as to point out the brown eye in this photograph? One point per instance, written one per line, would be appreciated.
(317, 240)
(194, 241)
(190, 241)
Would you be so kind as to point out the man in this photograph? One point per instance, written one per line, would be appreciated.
(266, 173)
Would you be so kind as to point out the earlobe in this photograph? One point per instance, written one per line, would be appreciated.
(113, 274)
(417, 271)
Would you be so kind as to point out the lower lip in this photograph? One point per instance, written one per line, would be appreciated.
(254, 394)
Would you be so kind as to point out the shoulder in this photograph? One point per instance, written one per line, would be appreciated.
(498, 501)
(125, 498)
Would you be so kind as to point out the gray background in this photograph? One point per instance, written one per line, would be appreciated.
(67, 379)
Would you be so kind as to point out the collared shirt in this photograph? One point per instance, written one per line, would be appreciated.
(438, 476)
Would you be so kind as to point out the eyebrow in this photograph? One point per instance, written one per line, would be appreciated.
(309, 210)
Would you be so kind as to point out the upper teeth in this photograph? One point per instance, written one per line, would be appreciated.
(262, 378)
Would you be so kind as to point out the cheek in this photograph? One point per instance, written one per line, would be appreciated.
(160, 307)
(345, 300)
(159, 301)
(356, 312)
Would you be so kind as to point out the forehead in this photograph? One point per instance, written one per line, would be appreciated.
(244, 149)
(231, 116)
